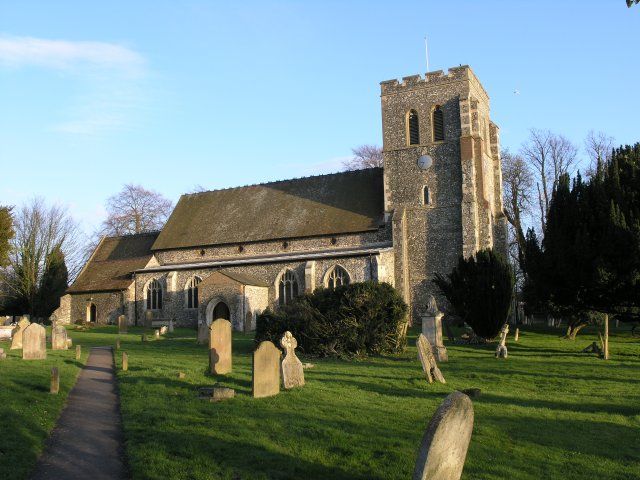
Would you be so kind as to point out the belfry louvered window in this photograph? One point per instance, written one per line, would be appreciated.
(413, 128)
(287, 288)
(154, 295)
(438, 125)
(426, 196)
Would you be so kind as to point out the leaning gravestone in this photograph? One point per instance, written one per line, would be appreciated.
(59, 338)
(266, 370)
(432, 329)
(203, 333)
(18, 331)
(292, 371)
(122, 324)
(220, 346)
(428, 361)
(34, 342)
(445, 442)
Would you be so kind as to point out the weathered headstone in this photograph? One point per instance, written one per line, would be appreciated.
(2, 354)
(220, 346)
(34, 342)
(125, 361)
(69, 342)
(171, 326)
(18, 331)
(122, 324)
(517, 335)
(266, 370)
(156, 334)
(501, 350)
(292, 371)
(428, 361)
(203, 333)
(55, 381)
(182, 375)
(6, 332)
(59, 338)
(446, 440)
(432, 329)
(78, 352)
(148, 319)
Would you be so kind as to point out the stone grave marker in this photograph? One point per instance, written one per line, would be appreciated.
(444, 445)
(59, 338)
(163, 330)
(125, 361)
(122, 324)
(18, 331)
(148, 319)
(156, 334)
(501, 350)
(266, 370)
(55, 381)
(203, 333)
(432, 329)
(292, 370)
(428, 360)
(517, 335)
(220, 347)
(171, 326)
(34, 342)
(78, 352)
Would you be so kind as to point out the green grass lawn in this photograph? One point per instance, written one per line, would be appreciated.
(546, 412)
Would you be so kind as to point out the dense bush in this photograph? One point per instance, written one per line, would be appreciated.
(480, 289)
(357, 319)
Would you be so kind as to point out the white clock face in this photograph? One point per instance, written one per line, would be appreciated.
(424, 162)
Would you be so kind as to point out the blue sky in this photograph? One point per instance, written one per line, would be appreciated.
(173, 95)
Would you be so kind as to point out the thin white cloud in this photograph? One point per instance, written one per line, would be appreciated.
(110, 76)
(17, 52)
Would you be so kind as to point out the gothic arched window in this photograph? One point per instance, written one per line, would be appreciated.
(154, 295)
(438, 124)
(337, 277)
(287, 287)
(192, 292)
(413, 128)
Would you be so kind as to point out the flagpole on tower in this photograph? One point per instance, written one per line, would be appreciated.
(426, 51)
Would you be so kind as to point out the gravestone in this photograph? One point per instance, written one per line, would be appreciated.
(78, 352)
(156, 334)
(59, 338)
(125, 361)
(432, 329)
(34, 342)
(148, 319)
(171, 326)
(444, 445)
(69, 342)
(55, 381)
(501, 350)
(266, 370)
(428, 361)
(292, 370)
(220, 347)
(517, 335)
(122, 324)
(203, 333)
(163, 330)
(18, 331)
(2, 354)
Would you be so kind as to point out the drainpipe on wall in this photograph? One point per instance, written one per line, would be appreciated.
(135, 299)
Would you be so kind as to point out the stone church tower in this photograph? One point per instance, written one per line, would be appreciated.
(442, 176)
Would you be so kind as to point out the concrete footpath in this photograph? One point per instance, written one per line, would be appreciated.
(86, 443)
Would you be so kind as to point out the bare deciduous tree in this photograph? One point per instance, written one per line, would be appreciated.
(40, 231)
(599, 146)
(364, 156)
(550, 155)
(517, 181)
(135, 210)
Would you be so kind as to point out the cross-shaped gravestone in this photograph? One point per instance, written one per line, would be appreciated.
(292, 371)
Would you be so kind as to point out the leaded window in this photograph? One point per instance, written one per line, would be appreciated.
(192, 292)
(288, 287)
(154, 295)
(337, 277)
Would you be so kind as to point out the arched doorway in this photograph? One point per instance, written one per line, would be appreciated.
(221, 310)
(92, 313)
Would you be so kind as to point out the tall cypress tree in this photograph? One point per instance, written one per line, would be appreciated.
(53, 284)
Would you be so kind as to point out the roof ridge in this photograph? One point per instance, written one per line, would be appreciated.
(273, 182)
(130, 235)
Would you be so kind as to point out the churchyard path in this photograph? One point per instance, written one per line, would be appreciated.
(87, 440)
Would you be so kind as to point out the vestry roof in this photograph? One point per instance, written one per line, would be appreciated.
(345, 202)
(111, 264)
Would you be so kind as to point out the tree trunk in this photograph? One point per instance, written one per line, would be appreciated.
(574, 329)
(606, 336)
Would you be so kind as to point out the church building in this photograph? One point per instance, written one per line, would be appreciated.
(231, 253)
